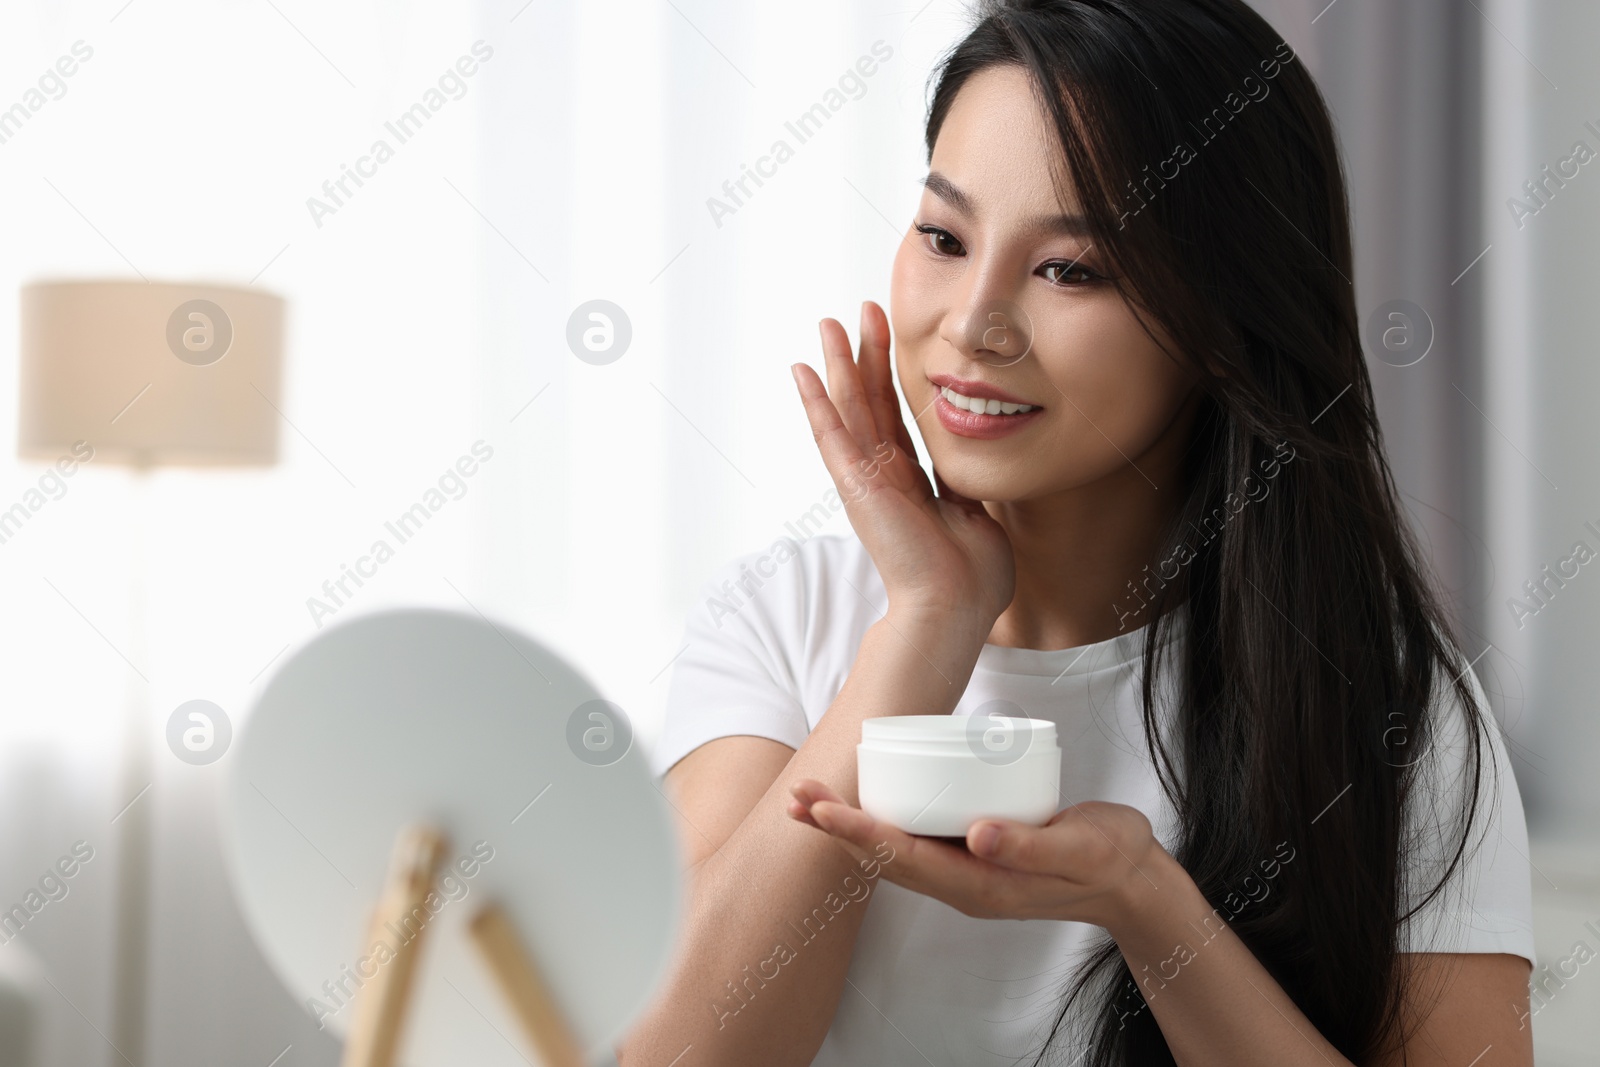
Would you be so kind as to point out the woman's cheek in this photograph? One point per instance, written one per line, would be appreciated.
(915, 314)
(902, 287)
(912, 293)
(1116, 376)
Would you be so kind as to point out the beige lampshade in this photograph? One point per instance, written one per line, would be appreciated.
(151, 374)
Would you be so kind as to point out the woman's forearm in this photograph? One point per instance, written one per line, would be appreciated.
(774, 912)
(1216, 1004)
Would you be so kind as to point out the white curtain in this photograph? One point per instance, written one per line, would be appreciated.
(186, 145)
(428, 311)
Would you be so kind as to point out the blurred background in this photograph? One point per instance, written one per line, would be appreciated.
(435, 307)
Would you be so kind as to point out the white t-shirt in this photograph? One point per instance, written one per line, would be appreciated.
(768, 649)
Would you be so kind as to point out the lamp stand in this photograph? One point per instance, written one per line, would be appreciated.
(130, 971)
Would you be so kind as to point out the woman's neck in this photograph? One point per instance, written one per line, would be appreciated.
(1077, 550)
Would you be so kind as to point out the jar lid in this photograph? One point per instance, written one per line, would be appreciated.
(958, 733)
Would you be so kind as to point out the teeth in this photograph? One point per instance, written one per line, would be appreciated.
(983, 407)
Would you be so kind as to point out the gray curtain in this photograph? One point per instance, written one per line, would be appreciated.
(1445, 111)
(1401, 81)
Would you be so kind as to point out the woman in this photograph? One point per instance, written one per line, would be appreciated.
(1125, 323)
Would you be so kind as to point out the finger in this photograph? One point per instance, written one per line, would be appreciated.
(801, 812)
(877, 377)
(844, 384)
(1052, 849)
(943, 871)
(809, 791)
(841, 453)
(852, 825)
(866, 858)
(1070, 846)
(846, 821)
(806, 792)
(849, 826)
(934, 868)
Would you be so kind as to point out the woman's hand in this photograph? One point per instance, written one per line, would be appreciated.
(1093, 862)
(939, 555)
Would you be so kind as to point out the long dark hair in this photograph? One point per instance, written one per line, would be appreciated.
(1317, 656)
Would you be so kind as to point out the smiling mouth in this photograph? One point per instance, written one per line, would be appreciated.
(980, 406)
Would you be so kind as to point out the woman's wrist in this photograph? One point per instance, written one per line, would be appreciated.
(930, 658)
(946, 640)
(1156, 902)
(943, 626)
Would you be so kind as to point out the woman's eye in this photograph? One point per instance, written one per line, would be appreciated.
(1064, 273)
(942, 242)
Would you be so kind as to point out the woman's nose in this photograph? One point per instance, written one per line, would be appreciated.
(986, 324)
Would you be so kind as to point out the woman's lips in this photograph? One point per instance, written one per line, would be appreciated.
(974, 389)
(982, 427)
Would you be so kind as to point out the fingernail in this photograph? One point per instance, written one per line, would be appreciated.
(986, 840)
(794, 372)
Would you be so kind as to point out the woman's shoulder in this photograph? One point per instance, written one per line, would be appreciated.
(794, 588)
(1462, 746)
(1470, 882)
(769, 643)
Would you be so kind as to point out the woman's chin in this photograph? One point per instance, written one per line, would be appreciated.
(980, 482)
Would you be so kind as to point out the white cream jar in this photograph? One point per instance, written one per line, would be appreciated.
(936, 775)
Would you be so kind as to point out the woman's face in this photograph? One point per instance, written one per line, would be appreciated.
(993, 262)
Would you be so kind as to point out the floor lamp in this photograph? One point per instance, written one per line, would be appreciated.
(147, 375)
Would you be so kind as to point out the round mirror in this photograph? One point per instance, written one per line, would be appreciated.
(424, 717)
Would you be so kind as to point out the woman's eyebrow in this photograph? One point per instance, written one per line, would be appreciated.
(1045, 225)
(946, 190)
